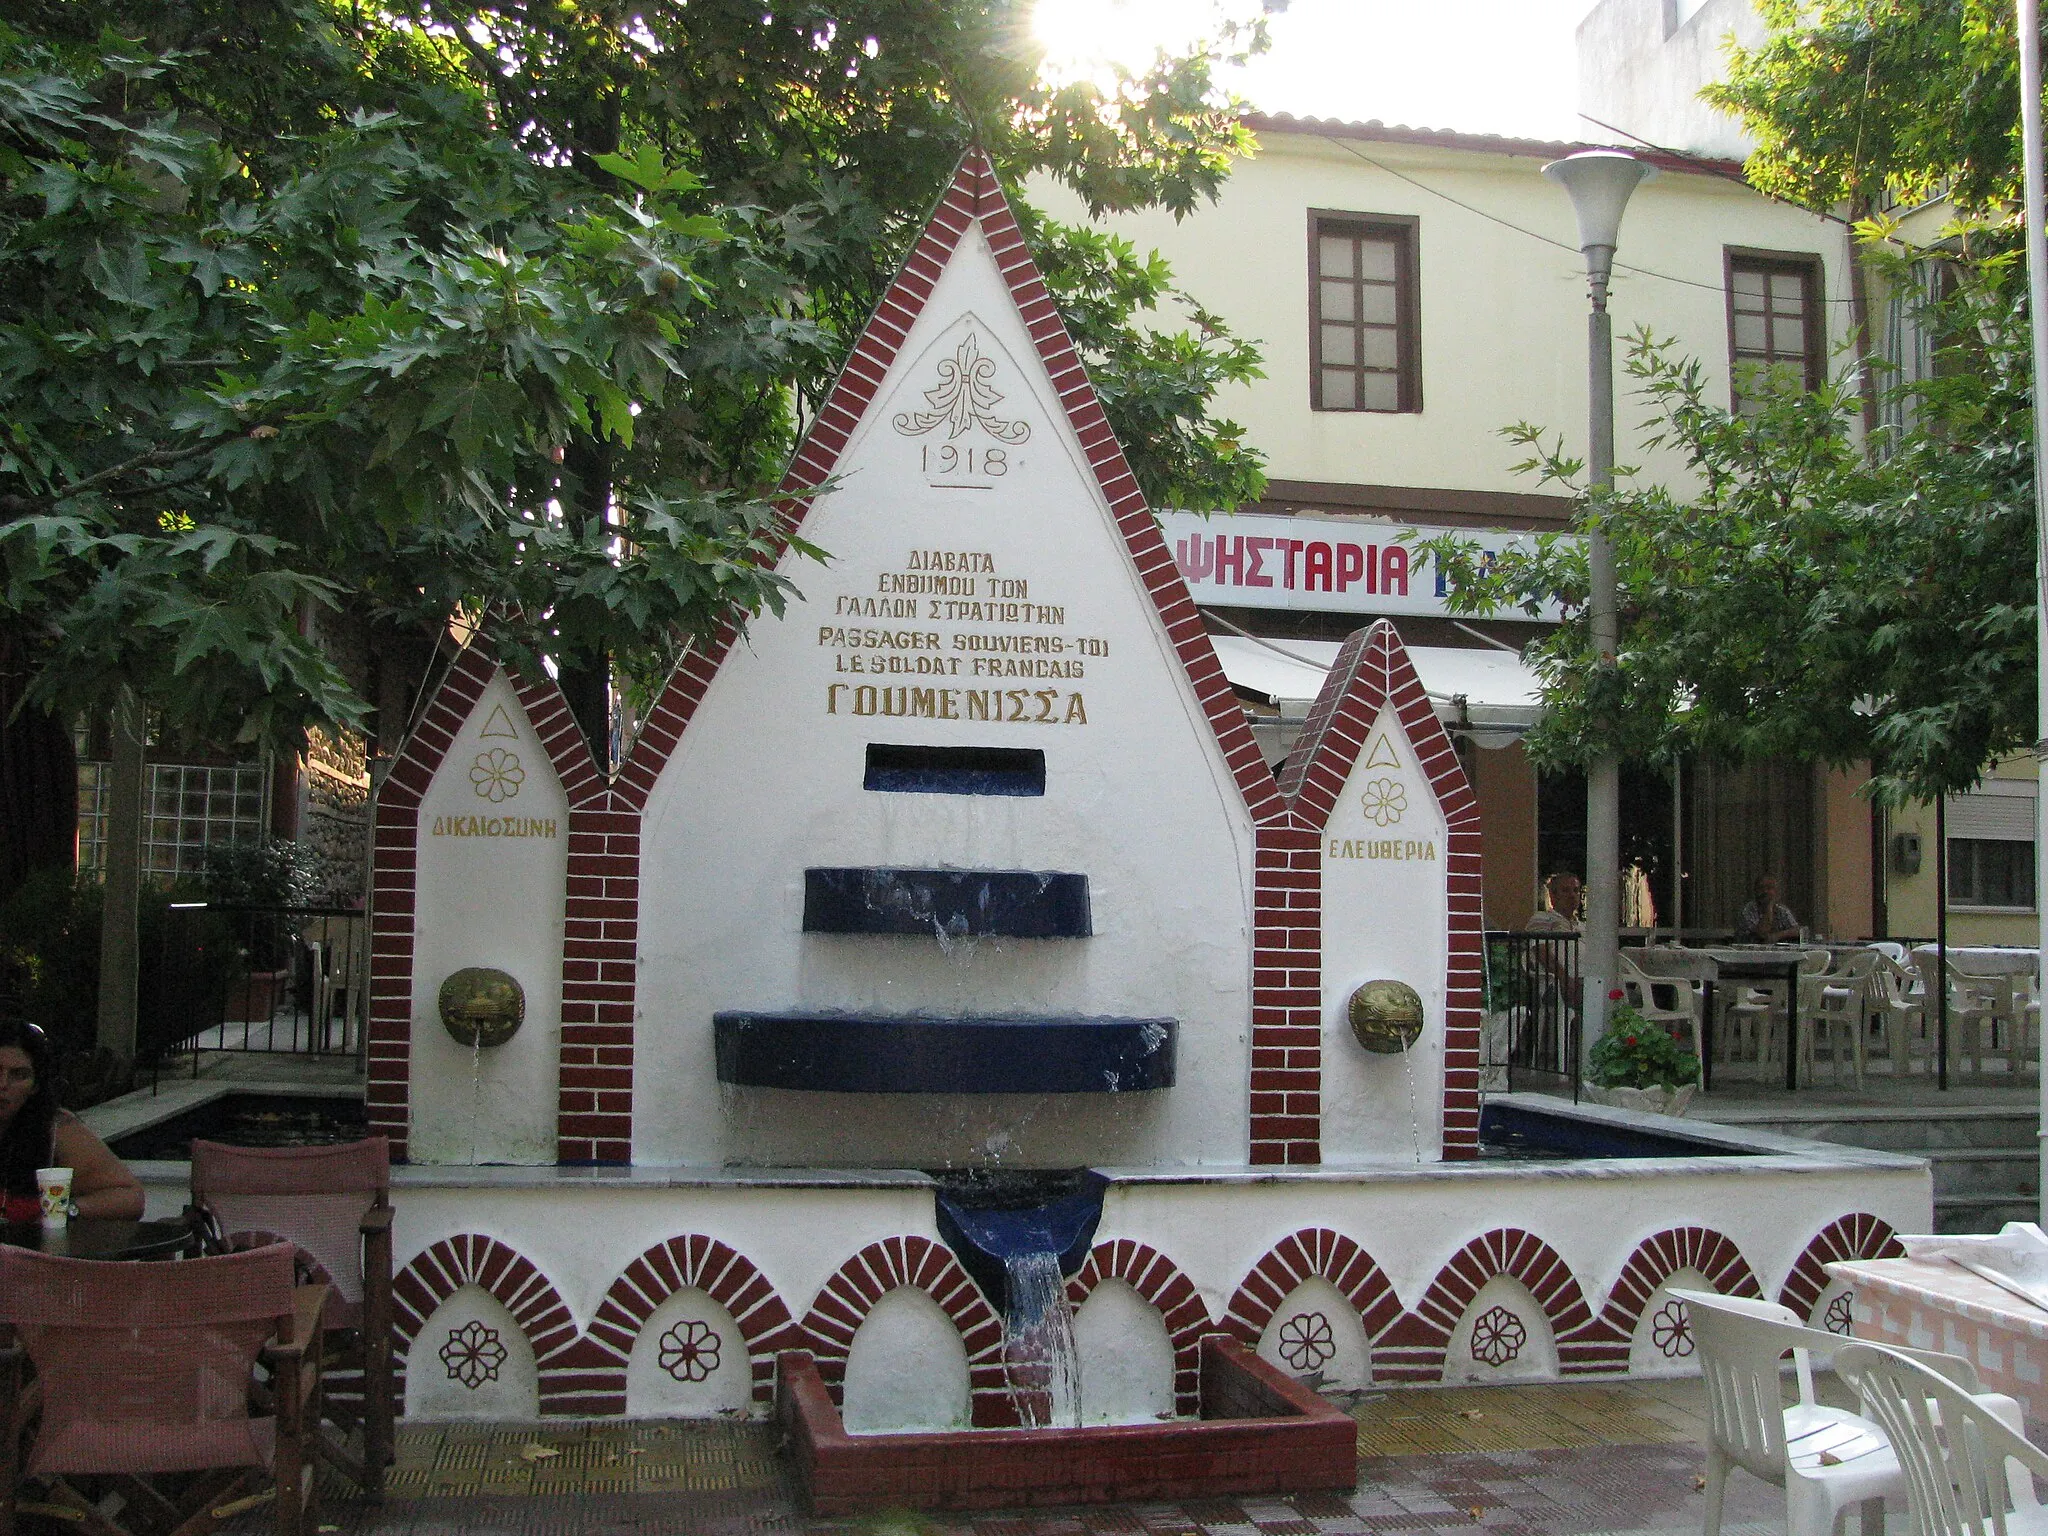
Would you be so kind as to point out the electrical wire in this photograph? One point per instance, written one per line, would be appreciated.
(1494, 218)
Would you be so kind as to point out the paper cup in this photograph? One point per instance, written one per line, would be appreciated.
(53, 1185)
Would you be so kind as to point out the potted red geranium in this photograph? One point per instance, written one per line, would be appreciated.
(1637, 1065)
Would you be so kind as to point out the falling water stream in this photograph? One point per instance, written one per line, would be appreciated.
(1414, 1114)
(476, 1090)
(1038, 1342)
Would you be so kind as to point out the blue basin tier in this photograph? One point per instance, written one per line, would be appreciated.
(878, 1053)
(947, 903)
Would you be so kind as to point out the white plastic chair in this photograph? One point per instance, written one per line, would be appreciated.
(1967, 1468)
(1832, 1005)
(1640, 989)
(1896, 1008)
(1825, 1459)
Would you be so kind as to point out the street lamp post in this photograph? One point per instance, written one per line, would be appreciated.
(1599, 182)
(2028, 21)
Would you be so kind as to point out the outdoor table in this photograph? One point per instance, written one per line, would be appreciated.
(1751, 963)
(1983, 959)
(102, 1237)
(1933, 1304)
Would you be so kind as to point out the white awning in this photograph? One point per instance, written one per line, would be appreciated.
(1488, 695)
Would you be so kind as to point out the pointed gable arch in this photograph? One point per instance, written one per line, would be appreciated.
(1372, 683)
(395, 854)
(974, 195)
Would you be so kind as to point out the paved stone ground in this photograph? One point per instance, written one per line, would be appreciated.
(1496, 1461)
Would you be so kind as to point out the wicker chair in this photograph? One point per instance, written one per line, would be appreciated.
(333, 1204)
(144, 1370)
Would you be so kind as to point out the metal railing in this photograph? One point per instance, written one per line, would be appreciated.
(1533, 979)
(286, 980)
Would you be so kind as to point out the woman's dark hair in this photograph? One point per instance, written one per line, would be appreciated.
(25, 1144)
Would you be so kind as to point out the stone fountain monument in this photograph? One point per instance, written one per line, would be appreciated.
(967, 868)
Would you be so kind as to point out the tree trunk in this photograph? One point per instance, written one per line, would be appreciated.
(121, 865)
(38, 777)
(585, 676)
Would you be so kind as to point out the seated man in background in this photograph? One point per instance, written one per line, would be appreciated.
(1766, 919)
(1552, 962)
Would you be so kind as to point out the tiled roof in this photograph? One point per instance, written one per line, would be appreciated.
(1479, 143)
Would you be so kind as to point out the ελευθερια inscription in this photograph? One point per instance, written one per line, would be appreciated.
(1398, 848)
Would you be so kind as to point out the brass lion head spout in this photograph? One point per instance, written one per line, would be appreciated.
(1386, 1016)
(481, 1006)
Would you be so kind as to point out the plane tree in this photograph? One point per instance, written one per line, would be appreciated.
(495, 316)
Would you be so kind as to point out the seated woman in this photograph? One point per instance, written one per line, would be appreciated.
(35, 1133)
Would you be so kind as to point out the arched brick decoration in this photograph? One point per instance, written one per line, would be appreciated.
(844, 1301)
(1312, 1251)
(1858, 1235)
(1656, 1260)
(680, 1264)
(1413, 1348)
(1158, 1279)
(594, 1116)
(438, 1272)
(1372, 672)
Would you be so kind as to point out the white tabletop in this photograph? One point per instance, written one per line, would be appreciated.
(1984, 960)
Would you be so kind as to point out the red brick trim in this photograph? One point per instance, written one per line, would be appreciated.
(1372, 673)
(1858, 1235)
(1159, 1280)
(691, 1261)
(438, 1272)
(1312, 1251)
(1656, 1260)
(845, 1300)
(394, 875)
(594, 1113)
(1413, 1348)
(975, 195)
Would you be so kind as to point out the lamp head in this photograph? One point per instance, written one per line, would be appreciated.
(1599, 182)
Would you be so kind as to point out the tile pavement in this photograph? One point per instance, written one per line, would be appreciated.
(1544, 1460)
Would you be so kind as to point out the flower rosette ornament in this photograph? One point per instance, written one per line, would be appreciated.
(1306, 1341)
(496, 774)
(1671, 1330)
(689, 1350)
(1385, 801)
(1497, 1336)
(473, 1354)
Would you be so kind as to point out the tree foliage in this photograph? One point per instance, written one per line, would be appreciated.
(1822, 597)
(508, 314)
(1808, 602)
(1853, 100)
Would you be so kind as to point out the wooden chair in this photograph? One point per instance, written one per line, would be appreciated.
(150, 1369)
(333, 1204)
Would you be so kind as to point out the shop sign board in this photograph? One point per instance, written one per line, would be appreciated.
(1323, 565)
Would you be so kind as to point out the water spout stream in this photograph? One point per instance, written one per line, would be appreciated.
(1039, 1356)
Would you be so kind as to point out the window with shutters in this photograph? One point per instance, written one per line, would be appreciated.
(1991, 846)
(1774, 320)
(1364, 348)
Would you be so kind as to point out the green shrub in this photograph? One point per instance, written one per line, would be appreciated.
(1635, 1053)
(50, 953)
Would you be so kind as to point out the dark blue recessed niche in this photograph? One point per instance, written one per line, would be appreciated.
(872, 1053)
(947, 903)
(906, 770)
